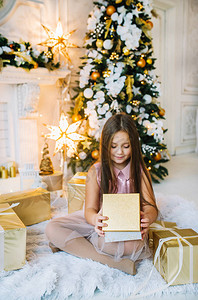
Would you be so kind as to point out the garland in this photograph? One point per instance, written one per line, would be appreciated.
(23, 55)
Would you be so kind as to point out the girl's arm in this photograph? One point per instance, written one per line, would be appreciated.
(92, 202)
(150, 212)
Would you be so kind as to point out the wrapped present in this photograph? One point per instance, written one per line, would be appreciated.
(176, 255)
(34, 205)
(12, 239)
(159, 225)
(54, 181)
(123, 211)
(76, 192)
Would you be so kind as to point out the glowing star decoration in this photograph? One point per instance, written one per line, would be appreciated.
(86, 144)
(65, 135)
(58, 41)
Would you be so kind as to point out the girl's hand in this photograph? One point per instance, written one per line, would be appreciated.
(145, 222)
(99, 224)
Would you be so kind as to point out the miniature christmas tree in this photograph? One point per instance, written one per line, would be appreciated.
(46, 167)
(117, 75)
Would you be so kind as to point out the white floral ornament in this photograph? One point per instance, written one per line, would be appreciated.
(103, 109)
(142, 115)
(88, 93)
(128, 109)
(99, 97)
(85, 73)
(154, 129)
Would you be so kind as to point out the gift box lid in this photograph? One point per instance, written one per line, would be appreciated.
(123, 211)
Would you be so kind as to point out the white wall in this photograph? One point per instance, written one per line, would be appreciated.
(175, 42)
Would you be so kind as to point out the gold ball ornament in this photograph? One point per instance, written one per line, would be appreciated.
(95, 154)
(76, 118)
(95, 75)
(99, 43)
(110, 10)
(162, 112)
(149, 24)
(149, 61)
(141, 63)
(157, 156)
(126, 51)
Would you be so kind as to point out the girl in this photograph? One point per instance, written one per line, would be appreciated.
(121, 170)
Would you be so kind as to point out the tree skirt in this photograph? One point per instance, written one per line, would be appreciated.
(60, 275)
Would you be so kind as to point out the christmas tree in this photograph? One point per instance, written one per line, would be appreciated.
(117, 75)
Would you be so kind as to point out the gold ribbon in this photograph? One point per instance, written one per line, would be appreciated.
(129, 84)
(78, 103)
(108, 24)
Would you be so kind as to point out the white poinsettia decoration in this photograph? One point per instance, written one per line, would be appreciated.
(154, 129)
(94, 19)
(115, 82)
(85, 73)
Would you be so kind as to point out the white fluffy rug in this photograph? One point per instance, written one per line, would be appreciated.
(60, 275)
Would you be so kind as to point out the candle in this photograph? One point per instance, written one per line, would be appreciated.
(1, 169)
(12, 171)
(4, 173)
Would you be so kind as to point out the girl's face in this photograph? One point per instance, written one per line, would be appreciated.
(120, 149)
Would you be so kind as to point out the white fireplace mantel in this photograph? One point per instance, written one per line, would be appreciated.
(41, 76)
(20, 92)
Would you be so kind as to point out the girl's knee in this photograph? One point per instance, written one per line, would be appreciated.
(51, 228)
(132, 246)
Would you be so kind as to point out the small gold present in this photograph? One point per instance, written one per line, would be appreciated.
(123, 211)
(12, 239)
(76, 192)
(159, 225)
(178, 258)
(34, 205)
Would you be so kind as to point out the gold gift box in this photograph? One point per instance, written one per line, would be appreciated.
(34, 205)
(168, 261)
(159, 225)
(12, 240)
(76, 192)
(123, 211)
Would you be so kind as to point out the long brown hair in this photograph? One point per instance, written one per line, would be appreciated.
(122, 122)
